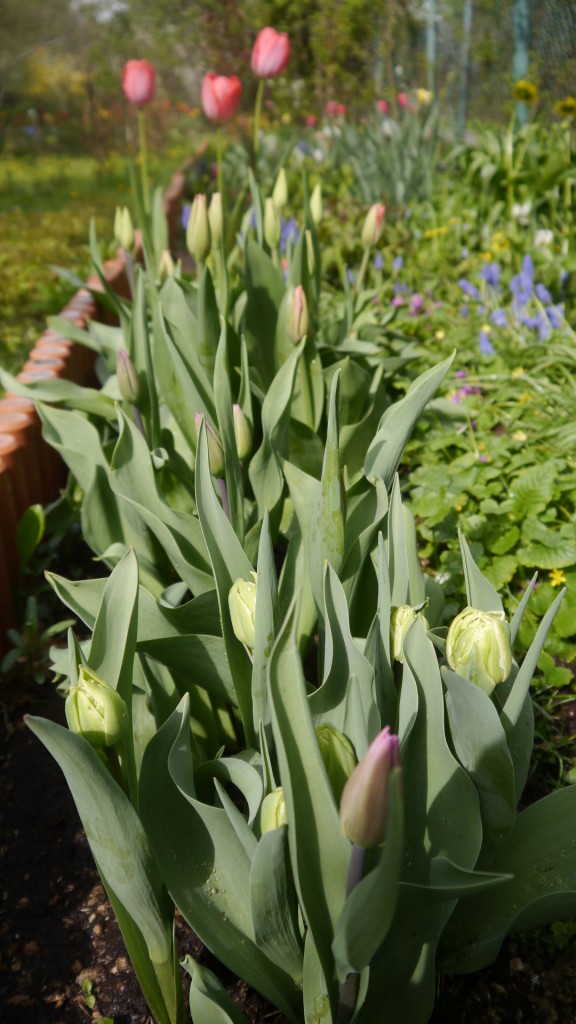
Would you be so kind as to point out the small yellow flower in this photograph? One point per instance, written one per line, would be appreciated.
(520, 436)
(486, 256)
(440, 335)
(525, 397)
(286, 118)
(424, 97)
(499, 242)
(556, 577)
(518, 371)
(566, 107)
(525, 92)
(486, 328)
(435, 232)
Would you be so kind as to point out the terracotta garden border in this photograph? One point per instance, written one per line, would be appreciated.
(30, 470)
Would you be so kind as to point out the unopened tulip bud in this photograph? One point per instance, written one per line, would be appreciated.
(316, 204)
(478, 647)
(310, 258)
(215, 449)
(242, 605)
(298, 321)
(127, 379)
(280, 190)
(364, 803)
(272, 224)
(338, 756)
(242, 432)
(400, 622)
(216, 219)
(95, 710)
(166, 266)
(123, 229)
(273, 811)
(198, 229)
(373, 225)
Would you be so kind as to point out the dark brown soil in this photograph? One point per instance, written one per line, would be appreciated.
(60, 947)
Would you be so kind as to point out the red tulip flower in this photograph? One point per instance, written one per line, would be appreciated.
(220, 96)
(270, 53)
(138, 82)
(382, 106)
(402, 100)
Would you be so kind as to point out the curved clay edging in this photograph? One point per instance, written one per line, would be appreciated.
(30, 470)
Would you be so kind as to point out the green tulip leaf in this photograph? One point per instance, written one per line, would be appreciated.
(274, 905)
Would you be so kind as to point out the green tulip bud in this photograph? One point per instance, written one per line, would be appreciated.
(95, 710)
(373, 225)
(400, 622)
(316, 204)
(123, 230)
(127, 379)
(280, 190)
(310, 257)
(338, 756)
(242, 432)
(166, 267)
(216, 220)
(242, 605)
(198, 230)
(272, 224)
(215, 449)
(478, 647)
(364, 803)
(298, 321)
(273, 811)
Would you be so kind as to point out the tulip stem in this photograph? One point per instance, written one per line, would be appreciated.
(257, 115)
(348, 993)
(355, 868)
(138, 421)
(143, 159)
(363, 267)
(219, 148)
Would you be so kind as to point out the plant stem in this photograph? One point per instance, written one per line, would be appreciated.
(224, 495)
(143, 159)
(363, 267)
(219, 148)
(257, 114)
(348, 993)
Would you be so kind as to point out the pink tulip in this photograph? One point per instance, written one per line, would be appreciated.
(270, 53)
(311, 120)
(365, 799)
(220, 96)
(402, 100)
(138, 81)
(382, 106)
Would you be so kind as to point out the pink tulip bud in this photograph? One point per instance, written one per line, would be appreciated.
(364, 803)
(270, 53)
(373, 225)
(138, 82)
(298, 319)
(311, 120)
(402, 100)
(220, 96)
(126, 378)
(382, 106)
(215, 449)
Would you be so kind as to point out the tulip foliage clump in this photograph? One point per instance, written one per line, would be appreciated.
(270, 728)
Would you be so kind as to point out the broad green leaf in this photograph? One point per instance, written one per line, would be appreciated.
(318, 851)
(208, 999)
(204, 864)
(185, 388)
(480, 592)
(29, 533)
(532, 490)
(540, 854)
(223, 402)
(265, 628)
(480, 744)
(326, 533)
(229, 563)
(274, 905)
(397, 423)
(120, 848)
(265, 288)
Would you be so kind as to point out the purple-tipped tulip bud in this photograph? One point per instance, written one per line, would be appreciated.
(373, 225)
(298, 321)
(478, 647)
(215, 449)
(126, 377)
(95, 710)
(273, 811)
(338, 756)
(242, 432)
(198, 229)
(364, 803)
